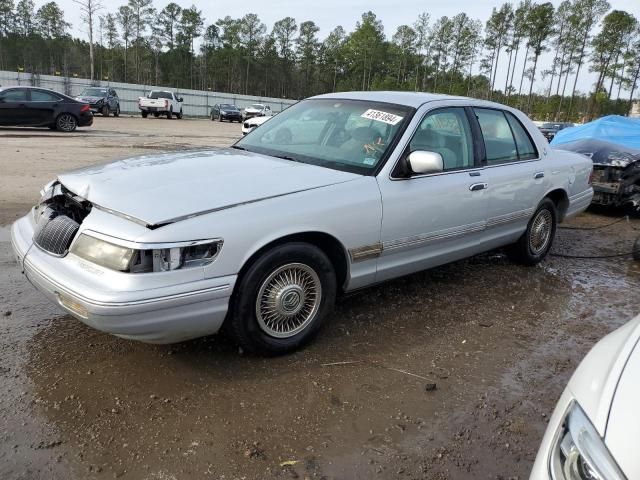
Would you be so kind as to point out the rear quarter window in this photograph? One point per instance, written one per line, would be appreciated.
(526, 148)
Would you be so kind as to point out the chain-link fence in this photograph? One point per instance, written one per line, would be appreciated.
(197, 103)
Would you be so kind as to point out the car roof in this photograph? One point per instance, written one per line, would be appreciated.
(409, 99)
(29, 87)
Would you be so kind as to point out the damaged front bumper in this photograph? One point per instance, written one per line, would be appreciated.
(140, 308)
(616, 186)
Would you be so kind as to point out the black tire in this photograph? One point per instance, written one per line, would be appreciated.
(144, 114)
(105, 111)
(179, 115)
(534, 244)
(213, 117)
(220, 118)
(170, 113)
(117, 112)
(66, 122)
(243, 324)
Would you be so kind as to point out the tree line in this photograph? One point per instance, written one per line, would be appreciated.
(499, 60)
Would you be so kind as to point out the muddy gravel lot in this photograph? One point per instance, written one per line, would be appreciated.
(446, 374)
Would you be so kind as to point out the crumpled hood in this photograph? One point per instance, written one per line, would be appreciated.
(164, 188)
(623, 427)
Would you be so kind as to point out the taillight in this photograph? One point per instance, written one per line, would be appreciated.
(166, 104)
(590, 181)
(84, 108)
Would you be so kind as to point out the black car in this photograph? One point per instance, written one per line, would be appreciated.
(226, 111)
(550, 129)
(39, 107)
(102, 100)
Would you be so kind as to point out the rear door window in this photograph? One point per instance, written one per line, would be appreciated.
(39, 96)
(498, 139)
(505, 139)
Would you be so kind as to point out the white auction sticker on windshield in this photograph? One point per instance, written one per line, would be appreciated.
(381, 116)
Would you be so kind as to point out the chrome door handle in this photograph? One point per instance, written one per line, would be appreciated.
(538, 175)
(478, 186)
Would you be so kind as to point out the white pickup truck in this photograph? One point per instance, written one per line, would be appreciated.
(161, 102)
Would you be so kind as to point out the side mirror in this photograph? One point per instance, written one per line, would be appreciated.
(422, 162)
(181, 99)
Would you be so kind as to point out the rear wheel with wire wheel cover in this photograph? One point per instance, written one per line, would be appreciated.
(534, 244)
(281, 301)
(66, 122)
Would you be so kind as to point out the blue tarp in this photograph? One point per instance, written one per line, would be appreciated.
(622, 131)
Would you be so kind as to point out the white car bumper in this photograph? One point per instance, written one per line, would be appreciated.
(159, 314)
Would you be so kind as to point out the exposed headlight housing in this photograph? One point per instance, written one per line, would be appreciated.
(578, 451)
(620, 162)
(145, 258)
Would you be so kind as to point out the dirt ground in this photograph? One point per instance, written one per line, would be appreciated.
(499, 342)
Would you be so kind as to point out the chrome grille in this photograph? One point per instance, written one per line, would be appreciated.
(54, 234)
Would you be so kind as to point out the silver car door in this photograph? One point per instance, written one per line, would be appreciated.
(514, 172)
(432, 219)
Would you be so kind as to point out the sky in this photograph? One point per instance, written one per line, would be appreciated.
(327, 14)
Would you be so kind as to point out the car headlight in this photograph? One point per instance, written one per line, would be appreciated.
(146, 258)
(579, 453)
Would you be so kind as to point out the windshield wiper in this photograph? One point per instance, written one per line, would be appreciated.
(238, 147)
(287, 157)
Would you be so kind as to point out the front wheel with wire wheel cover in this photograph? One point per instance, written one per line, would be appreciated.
(281, 301)
(66, 122)
(534, 245)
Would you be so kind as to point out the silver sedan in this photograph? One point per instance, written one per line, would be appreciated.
(337, 192)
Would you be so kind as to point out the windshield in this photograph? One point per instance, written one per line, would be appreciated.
(349, 135)
(228, 107)
(94, 92)
(160, 95)
(257, 106)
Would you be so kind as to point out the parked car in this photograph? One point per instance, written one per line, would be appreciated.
(613, 145)
(226, 111)
(549, 130)
(250, 124)
(265, 234)
(161, 102)
(39, 107)
(593, 431)
(256, 110)
(102, 100)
